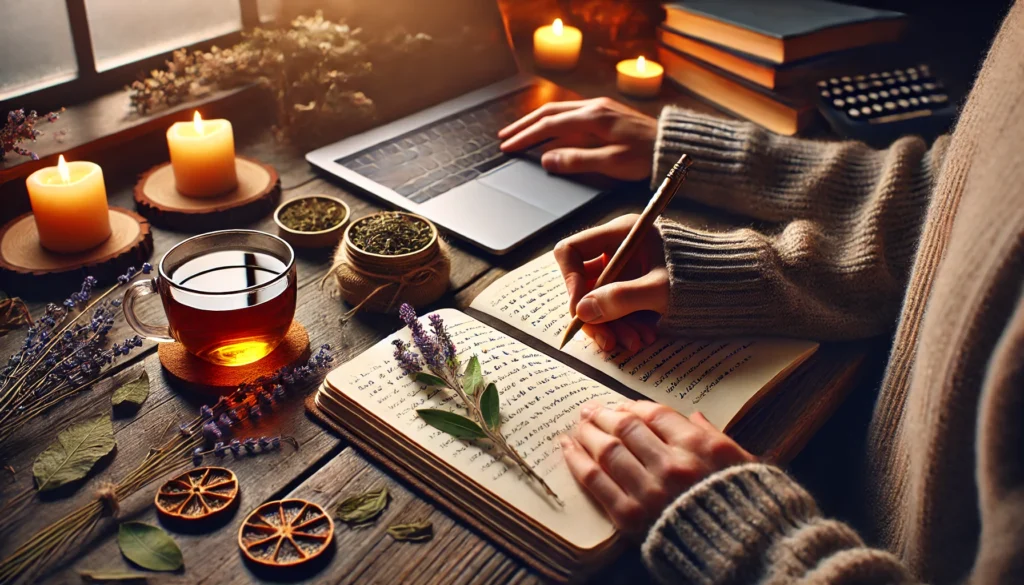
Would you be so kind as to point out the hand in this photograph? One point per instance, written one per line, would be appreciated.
(587, 136)
(620, 313)
(637, 457)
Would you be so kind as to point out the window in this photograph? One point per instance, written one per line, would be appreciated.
(36, 49)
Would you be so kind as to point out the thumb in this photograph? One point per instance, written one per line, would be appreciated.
(618, 299)
(571, 160)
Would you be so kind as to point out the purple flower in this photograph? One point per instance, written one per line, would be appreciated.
(254, 412)
(225, 422)
(426, 343)
(212, 433)
(236, 447)
(250, 445)
(219, 450)
(197, 456)
(409, 361)
(205, 412)
(444, 340)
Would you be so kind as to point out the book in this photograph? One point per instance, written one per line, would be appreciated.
(782, 31)
(541, 390)
(783, 112)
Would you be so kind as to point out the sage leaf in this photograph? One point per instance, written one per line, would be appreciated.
(489, 407)
(473, 378)
(455, 425)
(414, 531)
(148, 547)
(112, 576)
(135, 392)
(430, 380)
(362, 508)
(74, 453)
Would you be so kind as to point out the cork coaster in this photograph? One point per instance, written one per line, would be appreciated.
(258, 192)
(195, 374)
(26, 267)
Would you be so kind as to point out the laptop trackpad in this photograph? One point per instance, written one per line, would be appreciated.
(529, 182)
(487, 216)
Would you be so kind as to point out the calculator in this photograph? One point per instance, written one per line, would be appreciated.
(879, 107)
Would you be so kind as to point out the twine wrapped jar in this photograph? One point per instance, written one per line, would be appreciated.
(380, 283)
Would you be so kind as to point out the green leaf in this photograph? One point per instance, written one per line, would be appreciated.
(489, 407)
(362, 508)
(135, 392)
(74, 453)
(473, 376)
(455, 425)
(414, 531)
(112, 576)
(430, 380)
(148, 547)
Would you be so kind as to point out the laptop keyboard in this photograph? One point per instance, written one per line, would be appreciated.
(436, 158)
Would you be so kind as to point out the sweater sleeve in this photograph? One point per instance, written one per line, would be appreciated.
(834, 261)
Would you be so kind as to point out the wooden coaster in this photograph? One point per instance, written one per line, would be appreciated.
(27, 268)
(196, 374)
(258, 192)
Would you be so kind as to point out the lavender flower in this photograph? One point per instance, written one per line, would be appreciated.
(426, 343)
(219, 450)
(409, 361)
(254, 412)
(197, 456)
(236, 447)
(250, 445)
(212, 433)
(444, 340)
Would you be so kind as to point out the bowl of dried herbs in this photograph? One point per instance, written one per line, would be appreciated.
(390, 258)
(313, 221)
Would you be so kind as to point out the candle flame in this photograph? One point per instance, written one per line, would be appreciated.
(557, 27)
(641, 64)
(62, 168)
(197, 120)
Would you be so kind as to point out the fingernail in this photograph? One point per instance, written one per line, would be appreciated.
(586, 410)
(599, 340)
(631, 345)
(588, 310)
(565, 442)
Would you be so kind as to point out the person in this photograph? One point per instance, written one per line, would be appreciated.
(926, 238)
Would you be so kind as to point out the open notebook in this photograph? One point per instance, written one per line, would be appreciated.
(372, 400)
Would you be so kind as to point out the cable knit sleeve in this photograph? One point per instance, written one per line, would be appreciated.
(834, 261)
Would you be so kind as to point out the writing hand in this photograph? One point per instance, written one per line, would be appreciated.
(587, 136)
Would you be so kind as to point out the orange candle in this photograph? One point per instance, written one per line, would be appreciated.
(557, 47)
(69, 202)
(203, 157)
(639, 77)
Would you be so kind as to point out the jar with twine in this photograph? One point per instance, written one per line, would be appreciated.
(380, 283)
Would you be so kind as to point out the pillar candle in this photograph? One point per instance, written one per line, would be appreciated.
(203, 157)
(557, 47)
(69, 202)
(639, 77)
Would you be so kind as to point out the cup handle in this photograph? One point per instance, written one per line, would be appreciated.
(136, 291)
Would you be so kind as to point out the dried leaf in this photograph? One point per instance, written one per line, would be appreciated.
(473, 376)
(74, 453)
(149, 547)
(489, 407)
(430, 380)
(112, 576)
(135, 392)
(362, 508)
(414, 531)
(455, 425)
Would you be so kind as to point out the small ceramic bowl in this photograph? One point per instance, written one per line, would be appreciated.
(319, 239)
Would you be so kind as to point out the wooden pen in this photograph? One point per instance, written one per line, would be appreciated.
(627, 249)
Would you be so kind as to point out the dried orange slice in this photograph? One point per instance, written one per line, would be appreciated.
(198, 493)
(285, 533)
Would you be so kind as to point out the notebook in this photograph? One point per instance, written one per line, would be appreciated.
(513, 327)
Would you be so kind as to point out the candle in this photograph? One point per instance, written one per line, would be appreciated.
(69, 202)
(557, 46)
(203, 157)
(639, 77)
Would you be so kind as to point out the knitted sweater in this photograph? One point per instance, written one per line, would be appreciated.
(930, 240)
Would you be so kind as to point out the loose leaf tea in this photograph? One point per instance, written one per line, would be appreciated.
(390, 233)
(149, 547)
(362, 508)
(135, 392)
(313, 214)
(74, 453)
(414, 531)
(111, 576)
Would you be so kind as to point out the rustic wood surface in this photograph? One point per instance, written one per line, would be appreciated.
(324, 469)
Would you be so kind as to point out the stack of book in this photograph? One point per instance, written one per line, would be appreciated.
(758, 59)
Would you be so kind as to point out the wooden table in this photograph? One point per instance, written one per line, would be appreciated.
(324, 469)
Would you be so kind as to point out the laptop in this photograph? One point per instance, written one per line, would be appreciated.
(439, 156)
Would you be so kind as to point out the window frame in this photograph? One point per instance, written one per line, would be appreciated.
(90, 83)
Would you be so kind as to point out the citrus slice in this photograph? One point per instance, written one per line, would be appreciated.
(285, 533)
(198, 493)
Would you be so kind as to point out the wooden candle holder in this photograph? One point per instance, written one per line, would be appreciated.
(258, 193)
(26, 268)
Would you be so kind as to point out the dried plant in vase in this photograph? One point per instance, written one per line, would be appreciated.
(20, 128)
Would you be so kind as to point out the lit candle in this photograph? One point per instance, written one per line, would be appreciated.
(69, 203)
(557, 46)
(203, 157)
(639, 77)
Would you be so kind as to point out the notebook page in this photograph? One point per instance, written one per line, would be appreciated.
(539, 399)
(715, 377)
